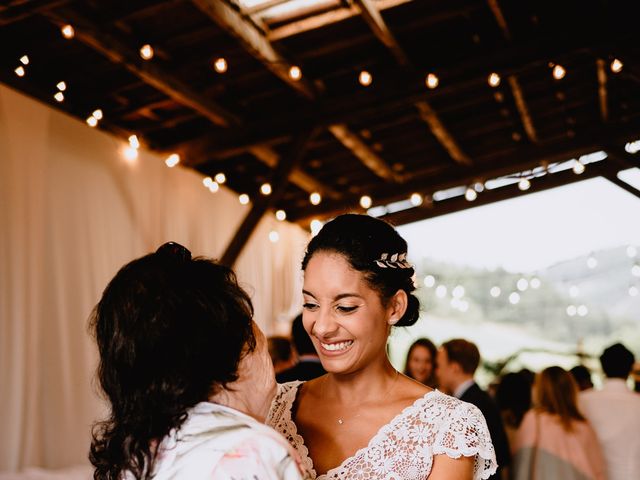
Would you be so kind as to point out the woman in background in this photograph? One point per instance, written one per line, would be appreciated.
(421, 362)
(554, 441)
(187, 375)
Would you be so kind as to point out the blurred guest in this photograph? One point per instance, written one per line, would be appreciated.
(554, 441)
(513, 397)
(614, 413)
(582, 376)
(456, 363)
(281, 353)
(187, 376)
(308, 366)
(420, 362)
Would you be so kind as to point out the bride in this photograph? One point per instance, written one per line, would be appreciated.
(363, 419)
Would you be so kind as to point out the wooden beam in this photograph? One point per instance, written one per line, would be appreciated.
(361, 150)
(602, 89)
(441, 133)
(372, 17)
(254, 42)
(326, 18)
(499, 16)
(523, 109)
(612, 177)
(16, 11)
(487, 197)
(279, 181)
(117, 51)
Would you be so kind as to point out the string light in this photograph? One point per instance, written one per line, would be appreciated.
(24, 60)
(146, 52)
(522, 284)
(316, 226)
(220, 65)
(274, 236)
(130, 153)
(68, 32)
(494, 79)
(495, 291)
(214, 187)
(221, 178)
(616, 66)
(365, 78)
(458, 291)
(441, 291)
(429, 281)
(574, 291)
(470, 194)
(92, 121)
(207, 181)
(315, 198)
(59, 96)
(243, 199)
(20, 71)
(172, 160)
(62, 86)
(559, 72)
(265, 189)
(416, 199)
(635, 270)
(633, 291)
(524, 184)
(281, 215)
(583, 311)
(365, 201)
(295, 73)
(572, 310)
(97, 114)
(535, 283)
(578, 167)
(432, 81)
(134, 142)
(514, 298)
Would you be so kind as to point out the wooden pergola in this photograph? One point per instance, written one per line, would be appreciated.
(386, 99)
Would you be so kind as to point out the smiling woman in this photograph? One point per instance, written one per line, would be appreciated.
(364, 419)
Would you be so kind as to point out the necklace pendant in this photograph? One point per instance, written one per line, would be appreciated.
(340, 421)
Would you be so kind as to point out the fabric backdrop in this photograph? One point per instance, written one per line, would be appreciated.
(72, 212)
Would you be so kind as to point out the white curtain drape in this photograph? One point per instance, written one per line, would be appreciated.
(72, 212)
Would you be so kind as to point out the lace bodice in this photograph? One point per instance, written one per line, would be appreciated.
(404, 448)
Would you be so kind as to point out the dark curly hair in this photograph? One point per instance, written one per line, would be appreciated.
(171, 332)
(362, 240)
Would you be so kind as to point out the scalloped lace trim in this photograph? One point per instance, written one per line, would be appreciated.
(434, 424)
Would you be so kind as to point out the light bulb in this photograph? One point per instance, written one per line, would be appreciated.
(98, 114)
(522, 284)
(92, 121)
(441, 291)
(295, 73)
(68, 32)
(495, 291)
(220, 65)
(59, 96)
(221, 178)
(572, 310)
(172, 160)
(494, 79)
(20, 71)
(146, 52)
(429, 281)
(470, 194)
(592, 263)
(24, 60)
(207, 181)
(535, 283)
(559, 72)
(635, 270)
(315, 198)
(213, 187)
(524, 184)
(583, 310)
(633, 291)
(316, 226)
(365, 201)
(134, 142)
(365, 78)
(62, 86)
(243, 199)
(514, 298)
(265, 189)
(616, 66)
(632, 251)
(458, 291)
(432, 81)
(578, 167)
(130, 154)
(274, 236)
(281, 215)
(416, 199)
(574, 291)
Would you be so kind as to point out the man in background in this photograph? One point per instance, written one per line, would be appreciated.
(614, 413)
(308, 366)
(457, 362)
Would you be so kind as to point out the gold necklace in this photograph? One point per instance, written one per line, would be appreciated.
(341, 421)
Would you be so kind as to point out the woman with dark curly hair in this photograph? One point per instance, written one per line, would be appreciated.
(364, 419)
(421, 362)
(187, 374)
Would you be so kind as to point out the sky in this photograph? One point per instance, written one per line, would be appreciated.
(534, 231)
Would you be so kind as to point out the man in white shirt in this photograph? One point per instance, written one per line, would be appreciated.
(614, 413)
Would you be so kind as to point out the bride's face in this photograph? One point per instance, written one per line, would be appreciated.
(345, 317)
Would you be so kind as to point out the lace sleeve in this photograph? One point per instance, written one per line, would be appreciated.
(466, 434)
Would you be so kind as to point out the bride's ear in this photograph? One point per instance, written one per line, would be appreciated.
(397, 307)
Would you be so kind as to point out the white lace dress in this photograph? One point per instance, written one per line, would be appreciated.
(404, 448)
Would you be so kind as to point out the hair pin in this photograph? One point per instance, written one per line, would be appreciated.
(395, 260)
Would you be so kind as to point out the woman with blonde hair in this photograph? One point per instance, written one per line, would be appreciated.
(555, 441)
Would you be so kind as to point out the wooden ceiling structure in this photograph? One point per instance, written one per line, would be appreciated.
(428, 124)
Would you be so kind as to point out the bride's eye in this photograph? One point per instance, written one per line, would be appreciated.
(310, 306)
(344, 309)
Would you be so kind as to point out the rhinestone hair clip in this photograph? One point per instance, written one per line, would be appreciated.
(395, 260)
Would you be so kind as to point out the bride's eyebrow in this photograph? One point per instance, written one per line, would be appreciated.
(345, 295)
(306, 292)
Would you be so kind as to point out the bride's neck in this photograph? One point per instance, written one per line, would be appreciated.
(364, 385)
